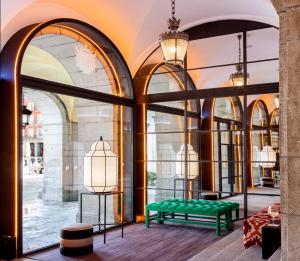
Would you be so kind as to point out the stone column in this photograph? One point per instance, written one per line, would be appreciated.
(289, 57)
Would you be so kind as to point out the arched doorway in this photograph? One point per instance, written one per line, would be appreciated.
(160, 135)
(227, 146)
(221, 145)
(165, 137)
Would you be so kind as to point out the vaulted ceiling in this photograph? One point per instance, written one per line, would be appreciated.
(134, 26)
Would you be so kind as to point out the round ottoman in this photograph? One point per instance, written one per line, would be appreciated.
(267, 182)
(76, 239)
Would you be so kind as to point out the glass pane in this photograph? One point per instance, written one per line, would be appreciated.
(165, 161)
(263, 72)
(191, 105)
(227, 158)
(164, 81)
(170, 79)
(257, 40)
(61, 54)
(60, 134)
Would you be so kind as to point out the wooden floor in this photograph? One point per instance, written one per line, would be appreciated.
(159, 242)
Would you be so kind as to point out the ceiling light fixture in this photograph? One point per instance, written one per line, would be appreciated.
(174, 43)
(237, 78)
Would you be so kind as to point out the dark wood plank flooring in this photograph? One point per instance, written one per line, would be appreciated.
(159, 242)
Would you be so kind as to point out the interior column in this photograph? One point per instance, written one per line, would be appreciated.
(289, 57)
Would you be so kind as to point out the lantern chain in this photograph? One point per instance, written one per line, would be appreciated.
(173, 8)
(239, 37)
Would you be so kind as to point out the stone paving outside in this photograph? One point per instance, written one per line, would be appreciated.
(42, 219)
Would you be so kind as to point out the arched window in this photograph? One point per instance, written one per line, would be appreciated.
(259, 137)
(274, 124)
(165, 132)
(61, 53)
(274, 134)
(224, 108)
(166, 79)
(78, 87)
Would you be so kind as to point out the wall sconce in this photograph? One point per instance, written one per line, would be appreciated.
(25, 116)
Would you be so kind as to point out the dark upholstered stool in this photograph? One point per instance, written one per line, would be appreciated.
(209, 196)
(267, 182)
(76, 240)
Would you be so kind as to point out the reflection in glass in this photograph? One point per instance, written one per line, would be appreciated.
(165, 137)
(55, 142)
(227, 147)
(61, 54)
(260, 138)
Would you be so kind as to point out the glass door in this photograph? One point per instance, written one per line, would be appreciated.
(228, 172)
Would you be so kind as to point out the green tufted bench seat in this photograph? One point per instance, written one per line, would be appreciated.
(217, 214)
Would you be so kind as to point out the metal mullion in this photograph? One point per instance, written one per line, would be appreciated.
(189, 130)
(173, 111)
(185, 132)
(263, 194)
(207, 67)
(256, 127)
(223, 120)
(65, 89)
(231, 169)
(219, 157)
(225, 161)
(217, 92)
(245, 177)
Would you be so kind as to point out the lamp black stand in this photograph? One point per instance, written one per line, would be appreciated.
(104, 224)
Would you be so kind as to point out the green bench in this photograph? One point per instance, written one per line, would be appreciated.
(217, 214)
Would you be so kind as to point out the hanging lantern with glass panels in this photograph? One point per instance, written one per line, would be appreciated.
(174, 43)
(237, 78)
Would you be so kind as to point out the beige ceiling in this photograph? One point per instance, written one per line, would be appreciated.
(133, 25)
